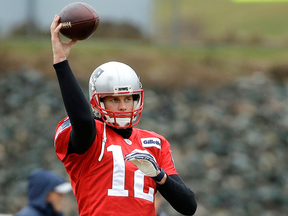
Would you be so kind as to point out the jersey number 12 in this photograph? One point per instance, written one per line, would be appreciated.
(118, 179)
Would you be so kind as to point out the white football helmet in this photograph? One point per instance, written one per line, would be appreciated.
(116, 79)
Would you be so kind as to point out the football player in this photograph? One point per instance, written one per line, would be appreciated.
(115, 168)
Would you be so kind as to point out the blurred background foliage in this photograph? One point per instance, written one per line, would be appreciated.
(215, 80)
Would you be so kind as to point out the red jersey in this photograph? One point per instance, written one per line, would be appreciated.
(103, 183)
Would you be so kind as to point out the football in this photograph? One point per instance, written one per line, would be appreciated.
(79, 20)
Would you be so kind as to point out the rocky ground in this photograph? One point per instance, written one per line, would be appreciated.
(229, 144)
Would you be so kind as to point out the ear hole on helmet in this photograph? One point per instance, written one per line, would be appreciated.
(135, 97)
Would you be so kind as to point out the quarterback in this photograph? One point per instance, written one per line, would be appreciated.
(115, 168)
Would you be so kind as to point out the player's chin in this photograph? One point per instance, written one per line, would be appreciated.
(123, 126)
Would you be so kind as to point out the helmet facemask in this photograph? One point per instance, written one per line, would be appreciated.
(118, 119)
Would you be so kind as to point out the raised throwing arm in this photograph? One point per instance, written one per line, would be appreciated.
(78, 109)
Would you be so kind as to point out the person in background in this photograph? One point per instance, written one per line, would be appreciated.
(46, 191)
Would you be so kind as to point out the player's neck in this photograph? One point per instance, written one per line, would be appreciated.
(125, 133)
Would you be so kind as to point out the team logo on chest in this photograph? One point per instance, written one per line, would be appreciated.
(129, 142)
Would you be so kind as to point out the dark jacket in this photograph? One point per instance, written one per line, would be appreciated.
(40, 183)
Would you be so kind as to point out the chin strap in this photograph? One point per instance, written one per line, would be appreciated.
(122, 122)
(103, 143)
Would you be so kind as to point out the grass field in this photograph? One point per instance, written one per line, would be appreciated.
(159, 65)
(219, 41)
(218, 19)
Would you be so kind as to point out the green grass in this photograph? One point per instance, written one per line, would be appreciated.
(159, 65)
(220, 40)
(214, 18)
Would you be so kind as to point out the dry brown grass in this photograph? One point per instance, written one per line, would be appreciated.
(160, 66)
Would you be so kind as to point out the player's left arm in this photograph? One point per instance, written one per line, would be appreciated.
(180, 197)
(171, 187)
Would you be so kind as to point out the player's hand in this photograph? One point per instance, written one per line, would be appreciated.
(144, 161)
(61, 50)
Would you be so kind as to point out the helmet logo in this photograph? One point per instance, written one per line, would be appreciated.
(98, 72)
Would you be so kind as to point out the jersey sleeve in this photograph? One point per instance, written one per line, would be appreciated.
(61, 138)
(78, 109)
(166, 160)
